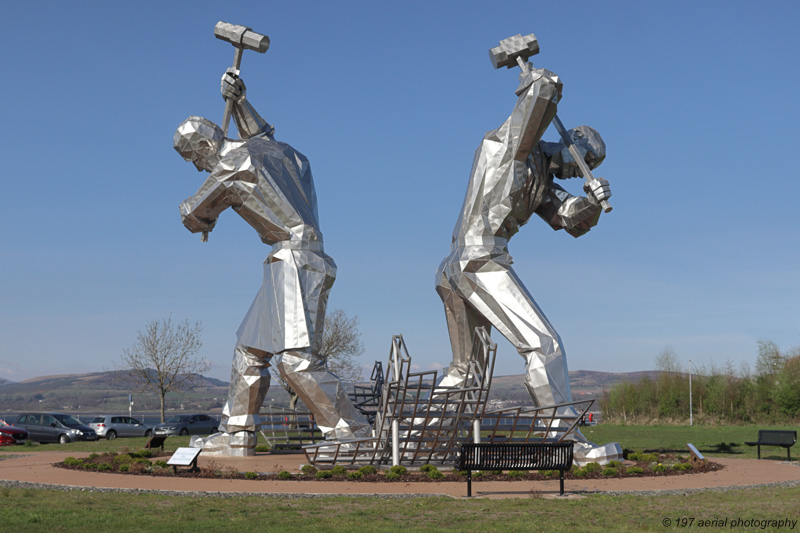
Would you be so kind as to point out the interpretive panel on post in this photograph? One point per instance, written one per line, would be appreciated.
(184, 456)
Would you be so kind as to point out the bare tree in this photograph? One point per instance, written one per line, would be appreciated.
(341, 346)
(161, 360)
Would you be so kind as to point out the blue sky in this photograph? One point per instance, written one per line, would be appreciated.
(697, 102)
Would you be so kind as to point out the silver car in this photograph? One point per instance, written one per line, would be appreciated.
(54, 427)
(113, 426)
(196, 424)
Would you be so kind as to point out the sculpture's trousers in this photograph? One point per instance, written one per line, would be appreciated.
(479, 287)
(284, 327)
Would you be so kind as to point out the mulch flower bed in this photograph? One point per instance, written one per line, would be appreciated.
(145, 462)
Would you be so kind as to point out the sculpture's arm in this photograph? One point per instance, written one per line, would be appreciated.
(200, 212)
(574, 214)
(247, 118)
(539, 92)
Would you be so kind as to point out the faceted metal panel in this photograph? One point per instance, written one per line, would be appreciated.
(269, 184)
(512, 179)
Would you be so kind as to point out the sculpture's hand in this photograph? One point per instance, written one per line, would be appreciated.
(232, 86)
(194, 223)
(597, 190)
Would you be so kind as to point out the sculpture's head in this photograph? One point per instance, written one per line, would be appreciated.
(589, 144)
(199, 140)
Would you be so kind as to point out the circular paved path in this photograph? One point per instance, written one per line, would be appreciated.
(37, 468)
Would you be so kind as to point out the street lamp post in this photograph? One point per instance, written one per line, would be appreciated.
(691, 420)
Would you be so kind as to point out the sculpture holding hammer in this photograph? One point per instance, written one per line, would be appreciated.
(512, 178)
(269, 184)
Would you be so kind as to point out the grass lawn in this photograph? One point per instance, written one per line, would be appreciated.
(41, 510)
(712, 441)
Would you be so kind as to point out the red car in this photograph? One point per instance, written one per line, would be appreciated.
(11, 435)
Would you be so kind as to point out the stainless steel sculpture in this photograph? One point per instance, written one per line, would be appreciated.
(269, 184)
(511, 179)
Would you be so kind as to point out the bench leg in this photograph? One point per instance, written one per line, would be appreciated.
(759, 451)
(469, 483)
(561, 481)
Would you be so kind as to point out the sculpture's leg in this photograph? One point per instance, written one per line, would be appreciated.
(249, 384)
(462, 320)
(490, 288)
(323, 393)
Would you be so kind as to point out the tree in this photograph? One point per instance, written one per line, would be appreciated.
(341, 345)
(161, 360)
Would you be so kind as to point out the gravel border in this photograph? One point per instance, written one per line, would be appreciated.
(222, 494)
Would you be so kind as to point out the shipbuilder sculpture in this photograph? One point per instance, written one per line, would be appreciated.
(512, 178)
(269, 184)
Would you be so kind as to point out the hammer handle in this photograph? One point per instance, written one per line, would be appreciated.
(585, 170)
(237, 62)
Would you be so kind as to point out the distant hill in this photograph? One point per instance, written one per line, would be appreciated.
(106, 391)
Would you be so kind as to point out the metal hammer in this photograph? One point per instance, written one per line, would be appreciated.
(515, 51)
(240, 37)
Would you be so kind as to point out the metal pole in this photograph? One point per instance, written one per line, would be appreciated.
(395, 442)
(476, 431)
(691, 419)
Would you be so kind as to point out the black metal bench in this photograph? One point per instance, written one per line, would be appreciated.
(515, 456)
(775, 437)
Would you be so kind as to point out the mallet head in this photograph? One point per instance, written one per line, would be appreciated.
(506, 54)
(241, 37)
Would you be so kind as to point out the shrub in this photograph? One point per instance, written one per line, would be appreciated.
(581, 472)
(517, 473)
(636, 470)
(616, 464)
(648, 457)
(123, 459)
(162, 464)
(90, 466)
(659, 468)
(324, 474)
(391, 476)
(284, 474)
(634, 456)
(610, 471)
(72, 461)
(355, 475)
(680, 467)
(142, 461)
(427, 468)
(592, 467)
(124, 468)
(368, 470)
(93, 456)
(143, 453)
(102, 467)
(339, 470)
(250, 475)
(398, 469)
(435, 474)
(263, 448)
(308, 470)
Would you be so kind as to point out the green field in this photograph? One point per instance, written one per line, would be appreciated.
(713, 441)
(29, 509)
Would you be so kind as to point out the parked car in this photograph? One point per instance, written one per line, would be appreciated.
(195, 424)
(54, 427)
(11, 435)
(113, 426)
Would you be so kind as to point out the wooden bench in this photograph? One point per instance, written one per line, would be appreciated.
(775, 437)
(515, 456)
